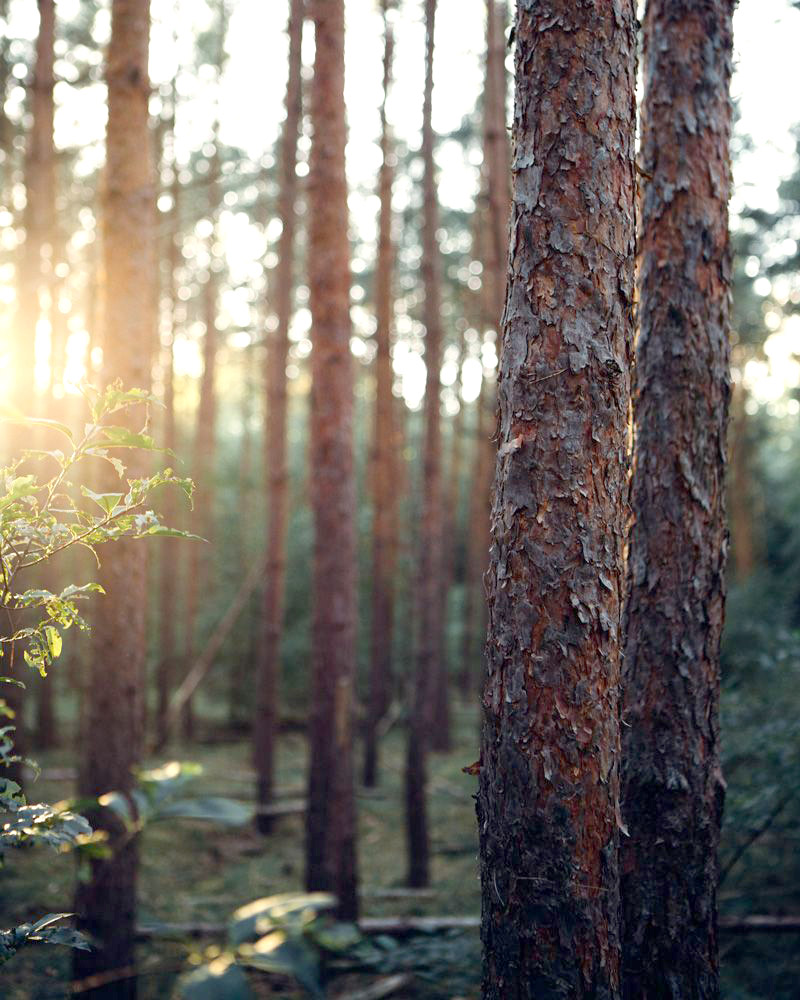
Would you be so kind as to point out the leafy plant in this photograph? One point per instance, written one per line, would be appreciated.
(289, 934)
(161, 794)
(45, 511)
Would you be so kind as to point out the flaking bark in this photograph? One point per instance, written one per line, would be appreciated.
(672, 786)
(548, 794)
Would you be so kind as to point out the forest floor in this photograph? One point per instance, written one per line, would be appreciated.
(198, 873)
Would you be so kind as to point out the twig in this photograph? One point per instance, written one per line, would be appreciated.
(753, 837)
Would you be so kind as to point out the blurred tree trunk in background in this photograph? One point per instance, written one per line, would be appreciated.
(265, 724)
(429, 582)
(672, 785)
(741, 493)
(384, 459)
(330, 818)
(106, 902)
(453, 528)
(548, 807)
(199, 573)
(171, 548)
(494, 246)
(247, 650)
(34, 275)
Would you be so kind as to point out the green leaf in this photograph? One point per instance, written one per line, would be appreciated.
(107, 502)
(289, 956)
(119, 804)
(117, 398)
(221, 980)
(11, 415)
(211, 808)
(284, 909)
(166, 532)
(102, 453)
(54, 641)
(121, 437)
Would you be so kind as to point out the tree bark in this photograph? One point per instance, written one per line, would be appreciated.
(672, 784)
(430, 566)
(106, 903)
(384, 478)
(266, 718)
(548, 811)
(331, 821)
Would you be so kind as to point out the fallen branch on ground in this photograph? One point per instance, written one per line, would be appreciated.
(402, 926)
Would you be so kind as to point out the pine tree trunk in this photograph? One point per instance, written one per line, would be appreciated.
(548, 811)
(384, 485)
(203, 474)
(247, 649)
(430, 605)
(106, 903)
(740, 494)
(330, 819)
(672, 784)
(199, 575)
(266, 719)
(171, 548)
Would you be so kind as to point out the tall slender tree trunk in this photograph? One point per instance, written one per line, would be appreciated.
(384, 485)
(39, 219)
(430, 565)
(741, 499)
(672, 785)
(330, 819)
(248, 649)
(496, 174)
(548, 809)
(106, 902)
(265, 726)
(203, 461)
(170, 551)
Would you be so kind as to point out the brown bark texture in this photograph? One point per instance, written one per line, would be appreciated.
(384, 477)
(430, 602)
(267, 681)
(548, 795)
(672, 785)
(106, 903)
(330, 820)
(494, 247)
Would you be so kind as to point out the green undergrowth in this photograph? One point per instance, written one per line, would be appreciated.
(198, 873)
